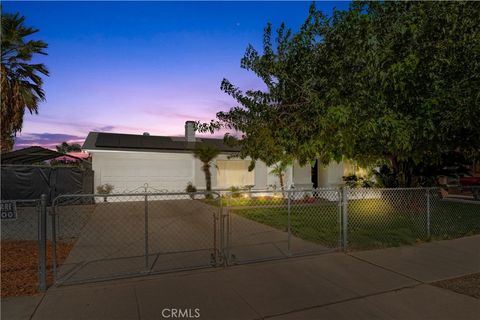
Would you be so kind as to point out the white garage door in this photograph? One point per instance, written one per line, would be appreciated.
(127, 172)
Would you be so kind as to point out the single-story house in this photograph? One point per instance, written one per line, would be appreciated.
(129, 161)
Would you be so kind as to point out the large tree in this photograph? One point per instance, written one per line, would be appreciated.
(21, 79)
(395, 82)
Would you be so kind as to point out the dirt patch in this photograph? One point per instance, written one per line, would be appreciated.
(469, 285)
(19, 266)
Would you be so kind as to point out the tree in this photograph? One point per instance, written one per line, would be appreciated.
(206, 153)
(414, 66)
(21, 80)
(64, 147)
(390, 82)
(279, 171)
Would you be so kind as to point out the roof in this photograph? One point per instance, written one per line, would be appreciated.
(31, 155)
(74, 155)
(133, 142)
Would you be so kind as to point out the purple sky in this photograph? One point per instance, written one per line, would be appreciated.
(135, 67)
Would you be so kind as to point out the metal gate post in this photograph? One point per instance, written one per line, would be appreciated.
(228, 229)
(42, 244)
(214, 255)
(146, 232)
(428, 213)
(221, 230)
(289, 249)
(340, 217)
(345, 217)
(54, 241)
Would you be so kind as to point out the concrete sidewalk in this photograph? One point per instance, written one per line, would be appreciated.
(429, 262)
(380, 284)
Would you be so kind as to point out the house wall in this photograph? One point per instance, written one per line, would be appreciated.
(331, 175)
(233, 172)
(302, 176)
(128, 171)
(261, 175)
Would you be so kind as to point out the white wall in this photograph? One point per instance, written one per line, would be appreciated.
(130, 170)
(330, 175)
(302, 176)
(261, 175)
(127, 171)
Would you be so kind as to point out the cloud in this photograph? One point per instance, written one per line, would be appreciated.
(47, 140)
(104, 129)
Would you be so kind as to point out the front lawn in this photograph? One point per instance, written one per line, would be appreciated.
(245, 201)
(373, 223)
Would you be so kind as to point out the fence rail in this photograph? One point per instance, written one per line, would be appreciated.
(99, 236)
(23, 229)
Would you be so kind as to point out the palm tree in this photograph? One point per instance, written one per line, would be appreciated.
(206, 154)
(21, 80)
(64, 147)
(279, 171)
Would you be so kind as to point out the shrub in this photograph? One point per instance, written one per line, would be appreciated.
(353, 181)
(235, 191)
(385, 177)
(105, 188)
(191, 189)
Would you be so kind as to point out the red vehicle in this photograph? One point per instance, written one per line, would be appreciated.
(470, 183)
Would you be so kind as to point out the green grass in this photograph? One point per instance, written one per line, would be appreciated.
(373, 223)
(246, 201)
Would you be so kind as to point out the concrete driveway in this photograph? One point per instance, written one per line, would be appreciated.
(181, 235)
(114, 240)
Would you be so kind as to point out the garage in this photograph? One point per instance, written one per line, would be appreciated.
(128, 171)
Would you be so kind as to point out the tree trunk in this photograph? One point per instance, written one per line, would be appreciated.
(208, 179)
(394, 163)
(6, 143)
(280, 177)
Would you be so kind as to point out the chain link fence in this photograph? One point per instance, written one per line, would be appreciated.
(453, 212)
(23, 224)
(107, 236)
(97, 237)
(23, 246)
(264, 225)
(275, 224)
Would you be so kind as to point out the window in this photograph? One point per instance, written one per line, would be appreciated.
(234, 173)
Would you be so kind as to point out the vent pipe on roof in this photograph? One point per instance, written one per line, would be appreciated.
(146, 134)
(190, 131)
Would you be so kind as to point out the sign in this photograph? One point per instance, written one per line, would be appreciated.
(8, 210)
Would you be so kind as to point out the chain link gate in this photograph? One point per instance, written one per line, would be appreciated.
(101, 237)
(266, 225)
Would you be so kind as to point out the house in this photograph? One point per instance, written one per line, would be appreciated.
(128, 162)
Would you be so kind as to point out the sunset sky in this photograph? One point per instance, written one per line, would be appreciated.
(134, 67)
